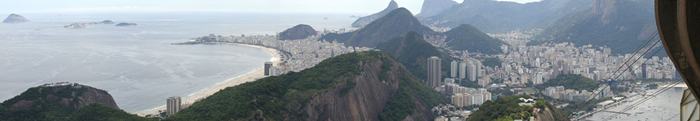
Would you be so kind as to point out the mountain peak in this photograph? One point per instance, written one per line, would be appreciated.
(468, 37)
(392, 5)
(363, 21)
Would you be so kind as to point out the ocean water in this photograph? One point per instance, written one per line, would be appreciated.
(137, 65)
(663, 107)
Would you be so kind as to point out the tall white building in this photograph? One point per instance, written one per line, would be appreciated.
(434, 72)
(471, 71)
(454, 68)
(174, 105)
(462, 70)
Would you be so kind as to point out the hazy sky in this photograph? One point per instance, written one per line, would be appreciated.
(289, 6)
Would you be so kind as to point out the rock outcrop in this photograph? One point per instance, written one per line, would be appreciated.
(15, 18)
(433, 7)
(362, 21)
(301, 31)
(67, 95)
(64, 101)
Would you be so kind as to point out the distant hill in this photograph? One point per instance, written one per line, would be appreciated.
(395, 24)
(15, 18)
(412, 51)
(467, 37)
(362, 21)
(502, 16)
(69, 102)
(622, 25)
(433, 7)
(349, 87)
(301, 31)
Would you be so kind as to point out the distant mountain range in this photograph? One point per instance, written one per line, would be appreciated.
(64, 102)
(351, 87)
(622, 25)
(15, 18)
(501, 16)
(400, 22)
(362, 21)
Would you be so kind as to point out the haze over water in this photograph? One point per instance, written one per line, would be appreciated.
(137, 65)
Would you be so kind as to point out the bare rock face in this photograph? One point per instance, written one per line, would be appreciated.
(301, 31)
(362, 103)
(434, 7)
(15, 18)
(69, 96)
(362, 21)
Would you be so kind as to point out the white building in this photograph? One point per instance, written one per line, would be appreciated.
(454, 68)
(174, 105)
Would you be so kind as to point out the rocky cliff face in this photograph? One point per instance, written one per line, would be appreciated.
(622, 25)
(301, 31)
(350, 87)
(433, 7)
(15, 18)
(362, 21)
(503, 16)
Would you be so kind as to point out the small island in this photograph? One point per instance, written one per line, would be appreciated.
(15, 18)
(86, 24)
(126, 24)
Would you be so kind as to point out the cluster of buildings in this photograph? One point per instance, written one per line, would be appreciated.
(469, 70)
(537, 64)
(173, 105)
(296, 55)
(463, 96)
(561, 93)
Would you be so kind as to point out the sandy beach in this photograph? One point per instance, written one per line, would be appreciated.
(253, 75)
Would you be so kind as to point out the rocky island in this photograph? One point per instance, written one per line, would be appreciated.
(126, 24)
(15, 18)
(86, 24)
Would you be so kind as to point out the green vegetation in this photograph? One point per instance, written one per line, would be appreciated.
(403, 103)
(42, 104)
(504, 108)
(572, 81)
(284, 97)
(101, 113)
(412, 51)
(467, 37)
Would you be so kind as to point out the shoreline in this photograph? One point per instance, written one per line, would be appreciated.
(249, 76)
